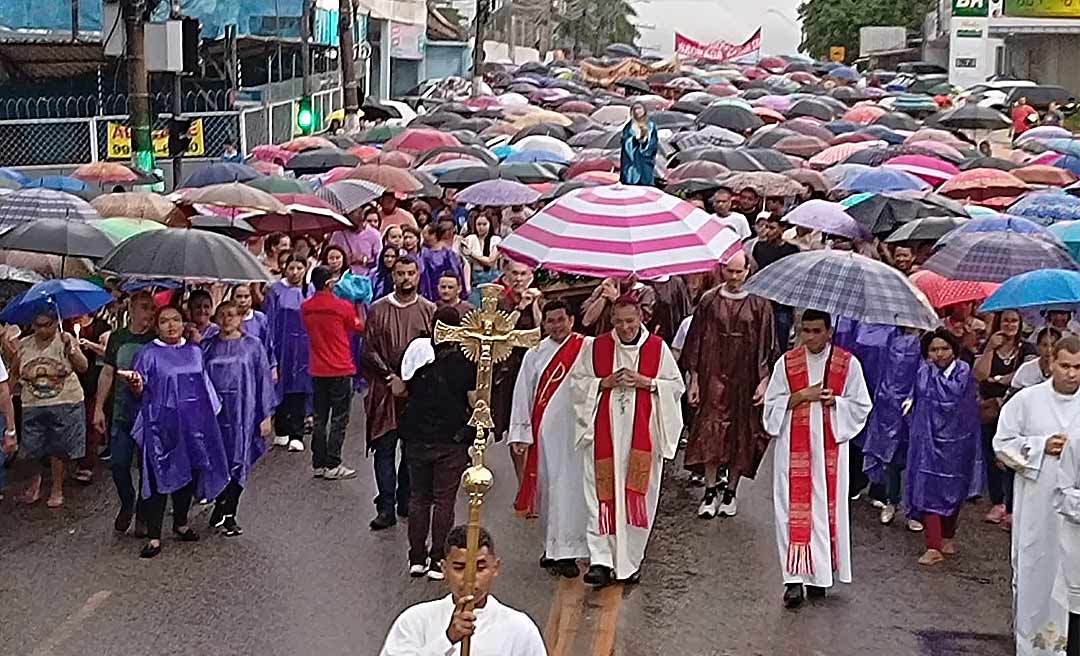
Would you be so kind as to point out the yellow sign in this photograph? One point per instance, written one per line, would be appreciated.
(1042, 8)
(119, 141)
(837, 53)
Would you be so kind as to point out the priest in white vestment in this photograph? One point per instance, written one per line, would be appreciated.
(1033, 429)
(626, 393)
(812, 424)
(542, 425)
(1067, 502)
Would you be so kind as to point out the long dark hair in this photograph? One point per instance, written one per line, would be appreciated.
(335, 247)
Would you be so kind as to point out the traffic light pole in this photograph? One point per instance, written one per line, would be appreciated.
(483, 8)
(305, 54)
(347, 55)
(142, 143)
(177, 107)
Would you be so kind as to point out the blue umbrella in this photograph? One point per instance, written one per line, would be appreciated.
(883, 133)
(219, 173)
(1070, 163)
(534, 156)
(1069, 234)
(59, 183)
(845, 73)
(1047, 207)
(1043, 288)
(1064, 146)
(880, 180)
(841, 126)
(70, 297)
(16, 176)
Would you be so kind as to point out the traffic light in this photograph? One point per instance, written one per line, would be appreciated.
(179, 136)
(305, 116)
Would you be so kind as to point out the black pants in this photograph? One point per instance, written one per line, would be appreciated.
(289, 416)
(1073, 648)
(857, 480)
(154, 510)
(331, 398)
(229, 499)
(434, 476)
(391, 477)
(999, 480)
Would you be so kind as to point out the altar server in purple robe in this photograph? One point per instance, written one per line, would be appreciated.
(438, 259)
(291, 346)
(254, 323)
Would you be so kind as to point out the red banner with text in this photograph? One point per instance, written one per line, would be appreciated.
(717, 51)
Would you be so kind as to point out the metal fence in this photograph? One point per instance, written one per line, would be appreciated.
(71, 141)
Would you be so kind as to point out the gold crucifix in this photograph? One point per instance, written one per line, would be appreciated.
(487, 337)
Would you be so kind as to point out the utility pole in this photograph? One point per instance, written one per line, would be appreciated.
(142, 144)
(347, 55)
(305, 115)
(483, 9)
(177, 104)
(74, 20)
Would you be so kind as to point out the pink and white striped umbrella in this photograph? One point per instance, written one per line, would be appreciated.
(931, 169)
(840, 152)
(618, 230)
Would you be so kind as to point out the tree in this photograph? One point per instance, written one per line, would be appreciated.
(597, 24)
(829, 23)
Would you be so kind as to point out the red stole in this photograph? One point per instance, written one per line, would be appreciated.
(640, 464)
(800, 479)
(550, 380)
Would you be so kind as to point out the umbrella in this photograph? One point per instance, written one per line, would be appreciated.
(271, 153)
(537, 156)
(1043, 289)
(559, 132)
(464, 152)
(934, 134)
(1069, 234)
(930, 169)
(467, 175)
(764, 183)
(105, 173)
(864, 113)
(390, 178)
(33, 204)
(841, 152)
(766, 137)
(377, 111)
(1040, 174)
(698, 169)
(809, 127)
(234, 195)
(983, 186)
(580, 166)
(829, 218)
(15, 176)
(844, 284)
(930, 228)
(1047, 206)
(972, 116)
(303, 213)
(307, 142)
(710, 135)
(184, 254)
(882, 180)
(621, 230)
(943, 292)
(347, 196)
(634, 84)
(812, 108)
(59, 237)
(672, 120)
(7, 184)
(63, 183)
(689, 186)
(897, 121)
(810, 178)
(379, 134)
(66, 297)
(277, 184)
(121, 228)
(750, 159)
(988, 163)
(230, 226)
(135, 204)
(395, 158)
(1063, 146)
(220, 173)
(320, 160)
(267, 168)
(996, 256)
(499, 193)
(915, 104)
(935, 149)
(526, 172)
(801, 146)
(881, 213)
(842, 126)
(731, 117)
(838, 173)
(1044, 132)
(612, 115)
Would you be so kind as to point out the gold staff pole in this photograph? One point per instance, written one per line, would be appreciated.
(486, 336)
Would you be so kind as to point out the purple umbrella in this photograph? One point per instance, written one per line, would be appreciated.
(499, 192)
(830, 218)
(779, 103)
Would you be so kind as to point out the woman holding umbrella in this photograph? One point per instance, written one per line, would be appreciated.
(290, 340)
(639, 144)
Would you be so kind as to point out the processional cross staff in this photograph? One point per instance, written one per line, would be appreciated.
(486, 336)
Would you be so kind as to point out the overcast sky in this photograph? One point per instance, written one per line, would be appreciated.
(730, 20)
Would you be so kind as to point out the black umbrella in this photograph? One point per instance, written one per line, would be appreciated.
(897, 121)
(988, 163)
(476, 124)
(973, 117)
(768, 138)
(457, 108)
(931, 228)
(883, 213)
(533, 67)
(524, 88)
(469, 175)
(688, 107)
(731, 117)
(191, 255)
(660, 79)
(570, 85)
(544, 129)
(672, 120)
(616, 50)
(582, 122)
(813, 109)
(233, 227)
(376, 111)
(527, 172)
(320, 160)
(58, 237)
(634, 84)
(607, 140)
(694, 186)
(849, 95)
(342, 141)
(583, 139)
(440, 120)
(754, 94)
(749, 159)
(468, 138)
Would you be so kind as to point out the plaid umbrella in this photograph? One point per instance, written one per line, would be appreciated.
(844, 284)
(1046, 207)
(710, 135)
(943, 292)
(32, 204)
(930, 228)
(349, 195)
(500, 193)
(997, 256)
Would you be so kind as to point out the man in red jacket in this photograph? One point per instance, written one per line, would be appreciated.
(329, 322)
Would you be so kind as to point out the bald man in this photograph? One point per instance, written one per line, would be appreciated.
(729, 353)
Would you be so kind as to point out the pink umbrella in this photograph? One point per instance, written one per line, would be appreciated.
(864, 113)
(937, 149)
(768, 114)
(483, 102)
(621, 230)
(931, 169)
(840, 152)
(779, 103)
(722, 89)
(935, 135)
(852, 137)
(943, 292)
(417, 140)
(272, 153)
(811, 127)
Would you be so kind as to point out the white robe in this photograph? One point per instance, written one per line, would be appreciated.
(561, 465)
(625, 550)
(500, 631)
(1026, 421)
(848, 418)
(1067, 503)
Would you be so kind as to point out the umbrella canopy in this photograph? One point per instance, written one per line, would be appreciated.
(230, 226)
(303, 214)
(33, 204)
(930, 228)
(232, 194)
(983, 185)
(1063, 146)
(59, 237)
(697, 169)
(767, 137)
(996, 256)
(1047, 207)
(943, 292)
(934, 134)
(1043, 289)
(278, 184)
(526, 172)
(810, 178)
(988, 163)
(220, 173)
(545, 144)
(764, 183)
(841, 152)
(612, 114)
(271, 153)
(621, 230)
(847, 285)
(1069, 234)
(812, 108)
(809, 127)
(829, 218)
(801, 146)
(135, 204)
(320, 160)
(105, 173)
(731, 117)
(931, 169)
(972, 116)
(1040, 174)
(689, 186)
(184, 254)
(63, 183)
(390, 178)
(864, 113)
(750, 159)
(710, 135)
(121, 228)
(882, 213)
(307, 142)
(347, 196)
(499, 193)
(882, 180)
(379, 134)
(67, 297)
(897, 121)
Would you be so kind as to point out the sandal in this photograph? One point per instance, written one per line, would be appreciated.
(55, 502)
(150, 550)
(84, 476)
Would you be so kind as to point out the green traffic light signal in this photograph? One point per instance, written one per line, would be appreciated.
(305, 116)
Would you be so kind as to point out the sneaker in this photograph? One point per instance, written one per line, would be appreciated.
(281, 440)
(697, 480)
(217, 517)
(295, 446)
(710, 503)
(341, 472)
(598, 576)
(996, 514)
(728, 505)
(914, 525)
(888, 514)
(105, 453)
(418, 570)
(122, 521)
(382, 522)
(435, 572)
(231, 529)
(318, 472)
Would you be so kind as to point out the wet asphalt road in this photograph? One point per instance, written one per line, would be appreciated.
(308, 577)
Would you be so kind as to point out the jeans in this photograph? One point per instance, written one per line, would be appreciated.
(392, 479)
(784, 317)
(998, 480)
(123, 452)
(434, 475)
(331, 398)
(289, 416)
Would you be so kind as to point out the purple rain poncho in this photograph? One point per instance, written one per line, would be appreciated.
(886, 432)
(289, 338)
(433, 264)
(869, 343)
(240, 372)
(943, 461)
(176, 427)
(258, 326)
